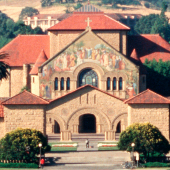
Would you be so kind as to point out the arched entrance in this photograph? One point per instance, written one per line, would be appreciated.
(56, 127)
(87, 123)
(118, 128)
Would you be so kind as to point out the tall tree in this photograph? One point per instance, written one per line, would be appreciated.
(4, 73)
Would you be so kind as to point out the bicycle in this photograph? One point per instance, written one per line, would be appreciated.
(131, 165)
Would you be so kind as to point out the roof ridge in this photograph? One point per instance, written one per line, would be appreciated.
(117, 21)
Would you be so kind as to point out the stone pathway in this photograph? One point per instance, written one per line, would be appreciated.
(86, 158)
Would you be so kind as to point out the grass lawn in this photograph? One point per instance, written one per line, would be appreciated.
(63, 148)
(106, 146)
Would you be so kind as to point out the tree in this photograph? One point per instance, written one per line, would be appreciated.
(45, 3)
(155, 24)
(158, 75)
(28, 12)
(4, 73)
(22, 144)
(147, 138)
(145, 23)
(9, 29)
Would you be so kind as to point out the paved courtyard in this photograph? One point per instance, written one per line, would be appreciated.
(85, 159)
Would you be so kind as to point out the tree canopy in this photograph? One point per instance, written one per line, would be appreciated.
(10, 29)
(28, 12)
(4, 73)
(147, 138)
(155, 24)
(22, 144)
(158, 76)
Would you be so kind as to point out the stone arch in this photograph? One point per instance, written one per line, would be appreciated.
(102, 121)
(59, 120)
(93, 66)
(121, 117)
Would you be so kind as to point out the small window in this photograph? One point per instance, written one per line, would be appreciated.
(56, 84)
(114, 83)
(68, 83)
(120, 83)
(62, 83)
(108, 83)
(33, 79)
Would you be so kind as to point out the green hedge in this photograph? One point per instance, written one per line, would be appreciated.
(18, 165)
(156, 164)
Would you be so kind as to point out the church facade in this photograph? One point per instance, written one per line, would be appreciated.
(85, 76)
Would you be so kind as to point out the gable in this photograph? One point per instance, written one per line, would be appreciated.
(88, 47)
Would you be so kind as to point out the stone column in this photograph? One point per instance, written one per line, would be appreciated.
(75, 128)
(110, 135)
(65, 85)
(65, 135)
(111, 84)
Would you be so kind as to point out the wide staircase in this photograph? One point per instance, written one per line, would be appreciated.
(87, 156)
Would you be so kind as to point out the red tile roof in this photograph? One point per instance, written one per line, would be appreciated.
(25, 49)
(148, 97)
(100, 21)
(149, 46)
(40, 60)
(25, 98)
(82, 87)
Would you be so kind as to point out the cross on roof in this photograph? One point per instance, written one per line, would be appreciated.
(88, 21)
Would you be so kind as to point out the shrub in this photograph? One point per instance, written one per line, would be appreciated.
(18, 165)
(22, 144)
(147, 138)
(156, 164)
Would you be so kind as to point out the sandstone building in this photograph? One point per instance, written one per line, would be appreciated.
(85, 76)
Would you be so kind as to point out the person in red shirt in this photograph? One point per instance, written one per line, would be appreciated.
(42, 161)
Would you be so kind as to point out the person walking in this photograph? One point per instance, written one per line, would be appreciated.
(42, 161)
(87, 143)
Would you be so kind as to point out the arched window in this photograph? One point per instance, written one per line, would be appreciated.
(108, 83)
(120, 83)
(56, 84)
(114, 83)
(88, 76)
(62, 83)
(68, 83)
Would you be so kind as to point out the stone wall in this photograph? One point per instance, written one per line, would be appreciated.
(156, 114)
(67, 110)
(2, 127)
(111, 37)
(24, 116)
(60, 39)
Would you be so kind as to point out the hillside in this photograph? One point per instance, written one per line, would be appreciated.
(13, 8)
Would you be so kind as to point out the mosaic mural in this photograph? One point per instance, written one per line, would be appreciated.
(84, 51)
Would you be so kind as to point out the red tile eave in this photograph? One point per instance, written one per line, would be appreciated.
(82, 88)
(130, 101)
(33, 103)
